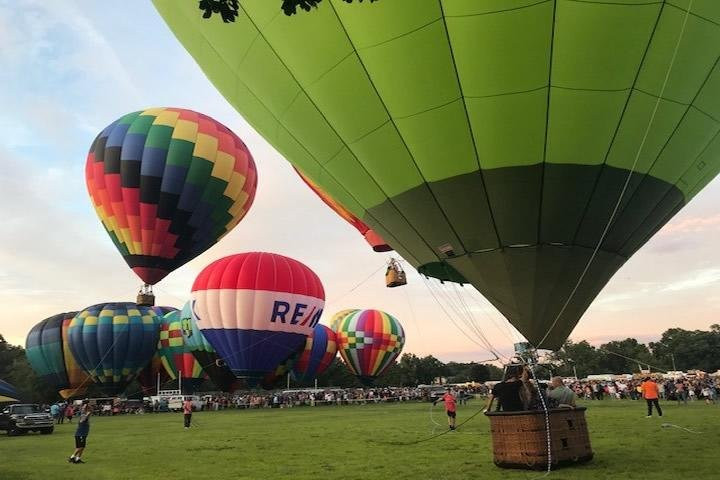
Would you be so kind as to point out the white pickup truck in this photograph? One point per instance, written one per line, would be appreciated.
(175, 403)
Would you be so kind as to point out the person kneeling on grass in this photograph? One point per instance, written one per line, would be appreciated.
(450, 407)
(81, 434)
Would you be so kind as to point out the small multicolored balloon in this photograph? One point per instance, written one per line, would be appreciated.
(368, 342)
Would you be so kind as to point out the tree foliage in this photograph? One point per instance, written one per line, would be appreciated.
(691, 349)
(15, 369)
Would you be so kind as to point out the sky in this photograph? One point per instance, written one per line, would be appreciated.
(69, 68)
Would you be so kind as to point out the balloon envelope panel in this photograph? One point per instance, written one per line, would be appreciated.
(8, 393)
(315, 358)
(209, 360)
(168, 183)
(151, 375)
(371, 237)
(175, 354)
(488, 142)
(48, 351)
(337, 318)
(44, 350)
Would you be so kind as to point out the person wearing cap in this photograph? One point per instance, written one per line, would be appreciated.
(450, 407)
(81, 434)
(650, 394)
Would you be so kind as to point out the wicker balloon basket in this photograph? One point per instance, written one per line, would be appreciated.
(520, 440)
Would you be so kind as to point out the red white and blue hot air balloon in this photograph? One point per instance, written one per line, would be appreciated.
(256, 309)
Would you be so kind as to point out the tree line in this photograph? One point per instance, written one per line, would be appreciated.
(677, 349)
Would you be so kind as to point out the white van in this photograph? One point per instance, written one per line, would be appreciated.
(175, 403)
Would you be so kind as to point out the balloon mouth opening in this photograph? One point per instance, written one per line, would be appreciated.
(377, 242)
(150, 275)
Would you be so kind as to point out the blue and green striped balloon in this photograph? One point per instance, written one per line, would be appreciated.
(113, 342)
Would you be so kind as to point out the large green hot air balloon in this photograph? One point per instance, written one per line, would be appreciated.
(526, 147)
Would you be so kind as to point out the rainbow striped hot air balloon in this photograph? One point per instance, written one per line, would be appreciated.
(369, 341)
(48, 352)
(113, 342)
(315, 358)
(168, 183)
(256, 309)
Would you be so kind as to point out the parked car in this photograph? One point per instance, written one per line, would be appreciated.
(21, 418)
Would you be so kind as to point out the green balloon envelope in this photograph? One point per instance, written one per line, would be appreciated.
(493, 142)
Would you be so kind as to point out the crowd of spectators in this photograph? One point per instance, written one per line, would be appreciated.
(681, 390)
(330, 397)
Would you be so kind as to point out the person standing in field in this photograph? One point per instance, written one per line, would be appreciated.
(681, 392)
(69, 412)
(187, 412)
(55, 412)
(450, 407)
(650, 394)
(81, 434)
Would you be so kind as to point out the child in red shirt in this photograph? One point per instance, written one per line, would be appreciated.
(449, 400)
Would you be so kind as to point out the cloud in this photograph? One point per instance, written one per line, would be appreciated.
(698, 279)
(692, 225)
(58, 73)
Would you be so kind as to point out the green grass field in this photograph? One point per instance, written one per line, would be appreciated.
(352, 443)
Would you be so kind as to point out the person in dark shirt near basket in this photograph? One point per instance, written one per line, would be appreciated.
(514, 393)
